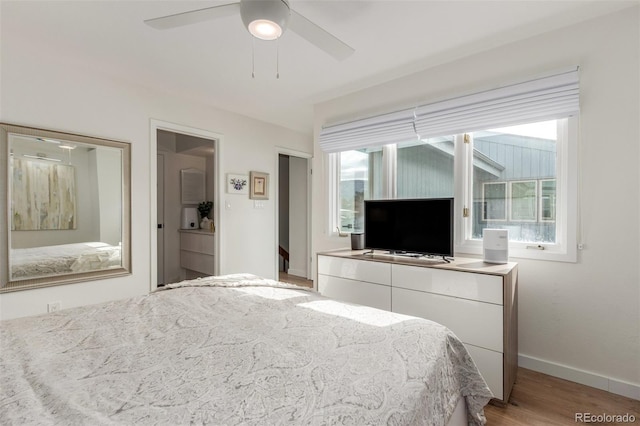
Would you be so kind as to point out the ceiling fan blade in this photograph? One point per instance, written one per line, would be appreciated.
(193, 16)
(319, 37)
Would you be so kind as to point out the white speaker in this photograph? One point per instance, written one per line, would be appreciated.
(495, 245)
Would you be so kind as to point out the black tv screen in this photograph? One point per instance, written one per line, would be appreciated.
(421, 226)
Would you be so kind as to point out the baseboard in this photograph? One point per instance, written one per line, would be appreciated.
(619, 387)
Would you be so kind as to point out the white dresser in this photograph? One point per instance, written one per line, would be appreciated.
(476, 300)
(197, 251)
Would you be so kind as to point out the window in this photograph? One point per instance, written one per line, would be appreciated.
(523, 201)
(548, 200)
(522, 178)
(524, 160)
(425, 169)
(353, 190)
(494, 201)
(421, 169)
(517, 178)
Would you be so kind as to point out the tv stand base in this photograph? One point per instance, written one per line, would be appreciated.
(400, 253)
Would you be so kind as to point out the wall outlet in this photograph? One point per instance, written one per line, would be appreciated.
(54, 306)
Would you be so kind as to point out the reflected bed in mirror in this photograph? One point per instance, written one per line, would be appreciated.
(67, 203)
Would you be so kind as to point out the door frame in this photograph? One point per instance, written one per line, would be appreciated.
(308, 157)
(160, 244)
(218, 213)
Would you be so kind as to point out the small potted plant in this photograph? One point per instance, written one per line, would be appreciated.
(204, 208)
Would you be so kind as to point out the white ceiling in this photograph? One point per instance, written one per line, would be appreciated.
(211, 62)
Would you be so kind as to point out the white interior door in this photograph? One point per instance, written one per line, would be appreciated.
(160, 209)
(298, 217)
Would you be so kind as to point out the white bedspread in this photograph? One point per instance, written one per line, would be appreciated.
(63, 258)
(233, 350)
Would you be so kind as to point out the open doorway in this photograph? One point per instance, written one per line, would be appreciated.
(294, 258)
(174, 257)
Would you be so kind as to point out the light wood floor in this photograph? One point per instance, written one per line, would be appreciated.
(293, 279)
(538, 399)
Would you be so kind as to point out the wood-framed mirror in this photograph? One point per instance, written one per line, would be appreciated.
(66, 208)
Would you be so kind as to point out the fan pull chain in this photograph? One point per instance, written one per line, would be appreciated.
(253, 57)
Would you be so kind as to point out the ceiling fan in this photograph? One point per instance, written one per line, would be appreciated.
(265, 19)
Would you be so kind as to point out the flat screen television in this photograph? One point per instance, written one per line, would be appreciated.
(412, 226)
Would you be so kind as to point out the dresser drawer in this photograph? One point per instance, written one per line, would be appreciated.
(352, 291)
(373, 272)
(481, 287)
(198, 262)
(476, 323)
(490, 364)
(201, 243)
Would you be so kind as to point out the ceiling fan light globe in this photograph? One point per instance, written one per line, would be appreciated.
(265, 29)
(259, 13)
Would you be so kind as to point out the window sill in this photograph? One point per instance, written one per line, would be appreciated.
(553, 253)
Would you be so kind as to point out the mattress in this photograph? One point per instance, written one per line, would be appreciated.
(234, 350)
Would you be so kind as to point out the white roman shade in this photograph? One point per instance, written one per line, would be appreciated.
(379, 130)
(545, 98)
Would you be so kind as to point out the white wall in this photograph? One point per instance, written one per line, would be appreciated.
(43, 90)
(580, 320)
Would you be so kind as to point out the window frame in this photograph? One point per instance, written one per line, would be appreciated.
(566, 246)
(511, 199)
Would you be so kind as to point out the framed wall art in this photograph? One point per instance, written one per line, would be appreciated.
(237, 184)
(259, 186)
(43, 195)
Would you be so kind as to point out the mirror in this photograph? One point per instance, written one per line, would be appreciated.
(67, 212)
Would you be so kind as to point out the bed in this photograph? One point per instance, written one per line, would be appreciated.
(235, 349)
(63, 258)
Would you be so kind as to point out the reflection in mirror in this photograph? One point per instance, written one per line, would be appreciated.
(67, 208)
